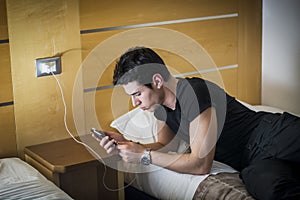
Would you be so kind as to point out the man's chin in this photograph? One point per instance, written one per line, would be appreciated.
(153, 108)
(148, 109)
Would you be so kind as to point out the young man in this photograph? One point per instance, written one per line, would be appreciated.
(264, 147)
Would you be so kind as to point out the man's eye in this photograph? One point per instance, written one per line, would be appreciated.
(137, 94)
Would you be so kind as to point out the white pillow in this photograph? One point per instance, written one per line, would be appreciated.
(265, 108)
(137, 125)
(140, 126)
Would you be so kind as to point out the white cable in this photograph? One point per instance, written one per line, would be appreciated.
(82, 143)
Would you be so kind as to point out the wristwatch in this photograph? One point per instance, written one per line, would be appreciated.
(146, 157)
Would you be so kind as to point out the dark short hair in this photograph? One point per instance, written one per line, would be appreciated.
(139, 64)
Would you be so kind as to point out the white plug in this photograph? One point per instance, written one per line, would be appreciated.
(48, 70)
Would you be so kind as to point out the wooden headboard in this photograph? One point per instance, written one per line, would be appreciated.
(228, 31)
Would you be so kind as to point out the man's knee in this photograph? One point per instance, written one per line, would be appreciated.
(272, 179)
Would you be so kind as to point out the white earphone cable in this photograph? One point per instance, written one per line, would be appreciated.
(82, 143)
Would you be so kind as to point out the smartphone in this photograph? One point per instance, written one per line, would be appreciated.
(100, 134)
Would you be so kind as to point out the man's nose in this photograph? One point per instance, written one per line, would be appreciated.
(135, 101)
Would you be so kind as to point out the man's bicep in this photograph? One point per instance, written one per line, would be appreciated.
(203, 133)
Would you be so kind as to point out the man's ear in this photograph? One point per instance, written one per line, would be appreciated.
(157, 81)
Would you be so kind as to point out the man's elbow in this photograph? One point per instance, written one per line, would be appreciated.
(201, 169)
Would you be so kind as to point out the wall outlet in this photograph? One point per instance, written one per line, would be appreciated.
(44, 66)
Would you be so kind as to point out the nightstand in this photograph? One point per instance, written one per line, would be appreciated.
(72, 168)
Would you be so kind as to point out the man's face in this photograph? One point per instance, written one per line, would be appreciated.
(143, 96)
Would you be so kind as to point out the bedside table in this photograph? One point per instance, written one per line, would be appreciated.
(72, 168)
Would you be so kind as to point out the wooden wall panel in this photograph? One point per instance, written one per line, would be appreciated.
(110, 109)
(100, 14)
(7, 122)
(219, 37)
(42, 29)
(250, 50)
(8, 145)
(221, 47)
(5, 74)
(3, 21)
(230, 78)
(34, 32)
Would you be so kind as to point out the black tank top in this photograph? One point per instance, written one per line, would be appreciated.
(235, 121)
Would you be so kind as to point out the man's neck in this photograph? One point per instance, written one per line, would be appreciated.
(170, 93)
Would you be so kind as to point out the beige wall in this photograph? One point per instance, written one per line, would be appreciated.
(281, 49)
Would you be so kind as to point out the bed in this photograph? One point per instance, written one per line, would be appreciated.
(18, 180)
(222, 183)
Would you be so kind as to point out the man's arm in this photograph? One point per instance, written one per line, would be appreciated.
(132, 152)
(203, 131)
(166, 139)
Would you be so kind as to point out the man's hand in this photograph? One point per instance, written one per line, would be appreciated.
(130, 151)
(109, 142)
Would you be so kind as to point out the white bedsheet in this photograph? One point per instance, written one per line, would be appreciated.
(166, 184)
(18, 180)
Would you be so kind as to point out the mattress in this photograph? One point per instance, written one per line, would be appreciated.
(18, 180)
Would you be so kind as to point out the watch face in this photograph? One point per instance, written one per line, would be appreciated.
(145, 160)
